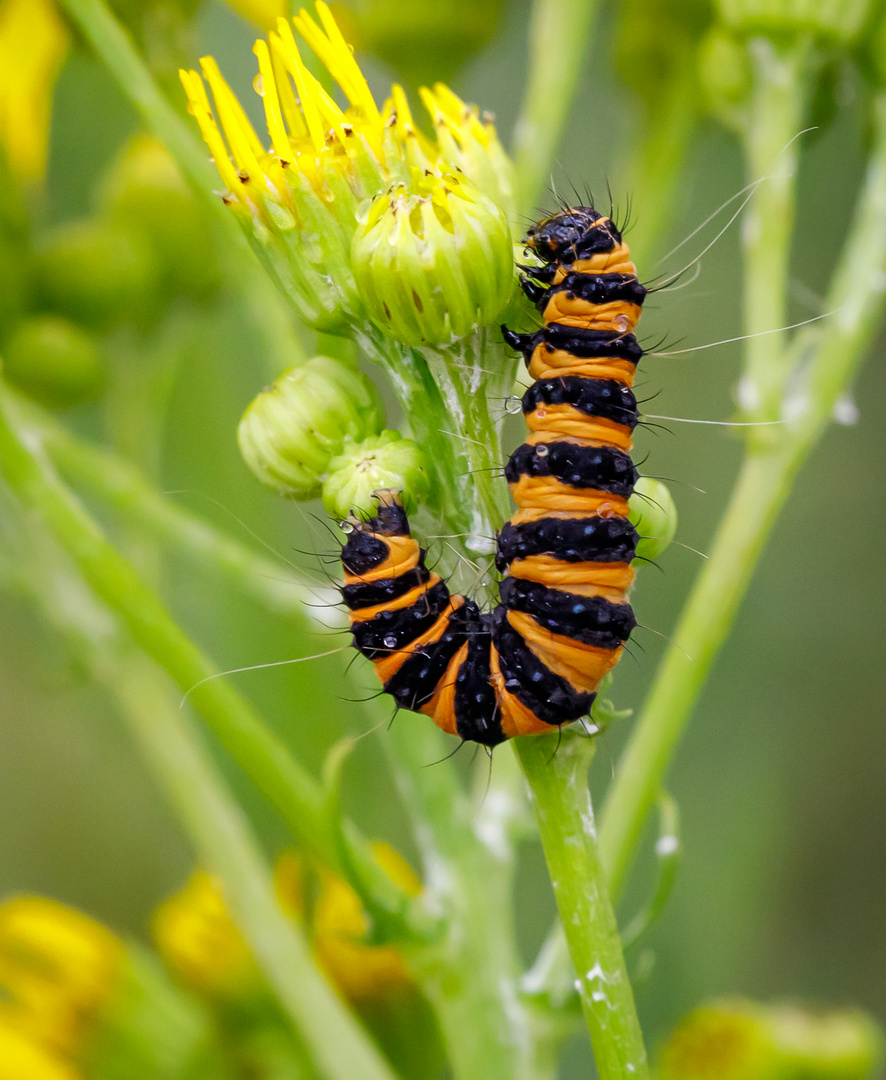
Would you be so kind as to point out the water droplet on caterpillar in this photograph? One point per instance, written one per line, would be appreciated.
(513, 405)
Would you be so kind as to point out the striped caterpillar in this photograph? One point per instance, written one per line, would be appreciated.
(535, 662)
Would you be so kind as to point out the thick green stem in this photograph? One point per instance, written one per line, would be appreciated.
(558, 777)
(832, 355)
(260, 753)
(558, 40)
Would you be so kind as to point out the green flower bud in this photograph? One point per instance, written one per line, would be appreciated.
(723, 1041)
(383, 462)
(144, 192)
(433, 260)
(97, 274)
(725, 76)
(836, 20)
(398, 33)
(53, 361)
(293, 429)
(743, 1040)
(844, 1044)
(654, 516)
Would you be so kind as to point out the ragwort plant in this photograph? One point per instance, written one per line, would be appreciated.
(398, 247)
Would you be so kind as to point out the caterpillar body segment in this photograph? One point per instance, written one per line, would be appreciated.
(535, 662)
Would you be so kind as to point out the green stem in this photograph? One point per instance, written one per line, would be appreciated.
(782, 84)
(470, 976)
(113, 45)
(221, 835)
(833, 355)
(558, 777)
(558, 39)
(125, 490)
(287, 785)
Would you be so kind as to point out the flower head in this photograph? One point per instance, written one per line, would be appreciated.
(300, 198)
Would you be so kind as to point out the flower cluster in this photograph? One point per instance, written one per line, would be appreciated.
(301, 199)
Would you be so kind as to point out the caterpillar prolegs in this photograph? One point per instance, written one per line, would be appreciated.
(535, 662)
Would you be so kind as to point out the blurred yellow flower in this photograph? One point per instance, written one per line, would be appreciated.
(21, 1058)
(57, 967)
(197, 937)
(361, 971)
(33, 44)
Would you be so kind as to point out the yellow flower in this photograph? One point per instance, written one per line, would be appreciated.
(33, 45)
(57, 968)
(197, 937)
(300, 199)
(361, 971)
(21, 1058)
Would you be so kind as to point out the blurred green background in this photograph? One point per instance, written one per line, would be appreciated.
(781, 780)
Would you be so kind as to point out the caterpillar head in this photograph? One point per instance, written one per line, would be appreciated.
(572, 234)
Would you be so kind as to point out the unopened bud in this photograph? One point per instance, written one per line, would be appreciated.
(97, 274)
(654, 516)
(382, 462)
(292, 430)
(433, 259)
(744, 1040)
(53, 361)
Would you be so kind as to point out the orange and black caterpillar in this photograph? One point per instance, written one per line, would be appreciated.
(534, 663)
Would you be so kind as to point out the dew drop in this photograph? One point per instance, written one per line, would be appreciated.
(258, 85)
(390, 642)
(346, 526)
(513, 405)
(541, 451)
(622, 323)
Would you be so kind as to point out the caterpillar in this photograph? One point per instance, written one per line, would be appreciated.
(535, 662)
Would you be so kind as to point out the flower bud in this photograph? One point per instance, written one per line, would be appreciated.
(725, 76)
(53, 361)
(199, 941)
(654, 516)
(144, 192)
(433, 259)
(382, 462)
(743, 1040)
(836, 20)
(97, 274)
(293, 429)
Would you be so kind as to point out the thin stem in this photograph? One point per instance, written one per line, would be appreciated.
(221, 835)
(558, 777)
(782, 83)
(287, 785)
(113, 45)
(470, 975)
(833, 355)
(558, 39)
(125, 490)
